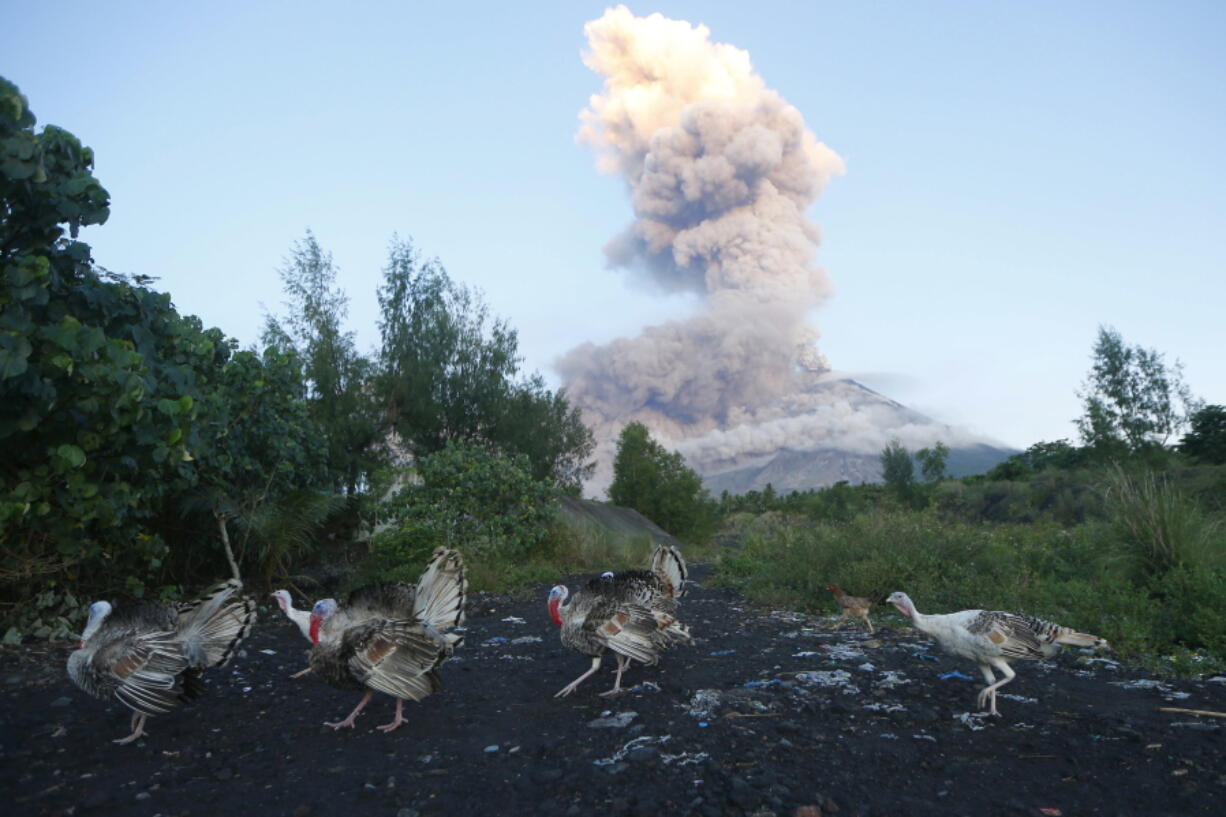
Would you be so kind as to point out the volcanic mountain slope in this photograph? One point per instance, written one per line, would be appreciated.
(836, 433)
(767, 712)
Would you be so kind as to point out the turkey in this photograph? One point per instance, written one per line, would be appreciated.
(390, 637)
(992, 639)
(852, 605)
(633, 613)
(302, 618)
(150, 656)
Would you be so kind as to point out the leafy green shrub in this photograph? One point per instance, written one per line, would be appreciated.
(480, 501)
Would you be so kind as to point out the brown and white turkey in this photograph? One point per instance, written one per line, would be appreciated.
(391, 637)
(993, 638)
(151, 656)
(633, 613)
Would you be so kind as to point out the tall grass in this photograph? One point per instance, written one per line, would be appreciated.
(1042, 569)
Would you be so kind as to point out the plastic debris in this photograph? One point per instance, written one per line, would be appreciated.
(954, 674)
(618, 721)
(721, 652)
(923, 656)
(1019, 698)
(526, 639)
(491, 749)
(844, 652)
(493, 640)
(970, 721)
(269, 652)
(890, 679)
(803, 654)
(703, 724)
(513, 620)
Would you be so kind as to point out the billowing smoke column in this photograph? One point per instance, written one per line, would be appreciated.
(720, 170)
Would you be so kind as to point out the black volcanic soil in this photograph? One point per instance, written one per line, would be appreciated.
(765, 713)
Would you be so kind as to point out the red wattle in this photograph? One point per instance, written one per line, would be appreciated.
(316, 621)
(553, 611)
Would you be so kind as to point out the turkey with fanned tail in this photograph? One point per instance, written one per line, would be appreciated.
(150, 656)
(391, 637)
(992, 638)
(633, 613)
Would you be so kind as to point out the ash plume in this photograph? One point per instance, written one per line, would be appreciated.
(720, 170)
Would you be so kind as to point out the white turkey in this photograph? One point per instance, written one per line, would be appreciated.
(301, 618)
(391, 637)
(992, 638)
(150, 656)
(633, 613)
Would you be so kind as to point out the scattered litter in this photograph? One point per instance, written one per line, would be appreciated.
(970, 721)
(803, 654)
(954, 674)
(1217, 679)
(489, 642)
(888, 736)
(1051, 812)
(491, 749)
(770, 683)
(890, 679)
(704, 702)
(513, 620)
(866, 667)
(923, 656)
(721, 652)
(1140, 683)
(1019, 698)
(269, 652)
(610, 721)
(509, 657)
(1023, 726)
(925, 737)
(643, 686)
(1107, 662)
(844, 652)
(874, 707)
(246, 689)
(526, 639)
(703, 724)
(840, 678)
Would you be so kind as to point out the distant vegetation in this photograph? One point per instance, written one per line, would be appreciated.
(1123, 536)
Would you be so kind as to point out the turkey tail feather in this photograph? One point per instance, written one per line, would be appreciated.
(442, 591)
(212, 626)
(1075, 639)
(669, 565)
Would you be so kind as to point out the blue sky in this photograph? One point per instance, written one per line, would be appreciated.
(1017, 173)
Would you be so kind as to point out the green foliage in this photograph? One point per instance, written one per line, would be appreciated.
(486, 504)
(450, 372)
(1206, 440)
(115, 409)
(932, 461)
(1158, 529)
(658, 484)
(1132, 399)
(898, 472)
(1041, 568)
(338, 378)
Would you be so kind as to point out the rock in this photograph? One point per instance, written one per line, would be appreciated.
(642, 754)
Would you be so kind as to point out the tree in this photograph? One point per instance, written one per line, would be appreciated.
(470, 496)
(1132, 399)
(1206, 441)
(338, 378)
(449, 372)
(898, 470)
(114, 408)
(658, 484)
(932, 461)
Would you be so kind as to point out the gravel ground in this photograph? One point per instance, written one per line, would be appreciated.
(766, 713)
